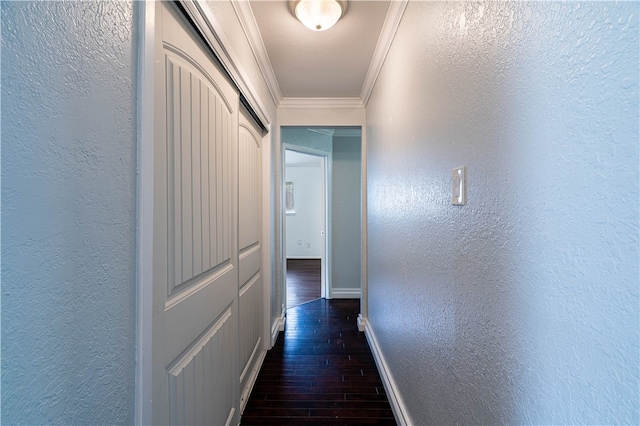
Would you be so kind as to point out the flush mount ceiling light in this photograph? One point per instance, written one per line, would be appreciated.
(318, 15)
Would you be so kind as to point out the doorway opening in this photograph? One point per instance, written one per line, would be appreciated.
(341, 265)
(305, 224)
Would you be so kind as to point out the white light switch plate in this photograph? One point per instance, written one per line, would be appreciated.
(458, 185)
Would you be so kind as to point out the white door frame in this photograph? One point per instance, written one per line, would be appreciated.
(144, 219)
(325, 270)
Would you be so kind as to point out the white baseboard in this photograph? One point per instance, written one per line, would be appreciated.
(397, 404)
(362, 322)
(345, 293)
(277, 327)
(259, 355)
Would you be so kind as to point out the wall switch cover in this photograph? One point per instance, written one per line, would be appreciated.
(458, 184)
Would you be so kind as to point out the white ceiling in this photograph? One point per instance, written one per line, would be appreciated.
(341, 62)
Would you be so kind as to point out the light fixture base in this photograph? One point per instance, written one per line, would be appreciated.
(315, 23)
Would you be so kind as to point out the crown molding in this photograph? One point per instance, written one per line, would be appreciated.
(389, 28)
(248, 23)
(250, 27)
(310, 103)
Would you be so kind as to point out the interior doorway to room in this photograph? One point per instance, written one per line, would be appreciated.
(305, 225)
(340, 231)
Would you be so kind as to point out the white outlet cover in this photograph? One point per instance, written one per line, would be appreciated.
(458, 185)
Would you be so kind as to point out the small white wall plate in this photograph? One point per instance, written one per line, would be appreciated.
(458, 185)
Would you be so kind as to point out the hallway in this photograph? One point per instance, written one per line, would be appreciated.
(320, 371)
(520, 306)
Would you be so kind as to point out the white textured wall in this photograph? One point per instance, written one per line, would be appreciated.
(522, 306)
(306, 224)
(68, 212)
(346, 210)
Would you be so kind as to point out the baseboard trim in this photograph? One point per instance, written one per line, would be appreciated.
(362, 323)
(345, 293)
(397, 404)
(277, 327)
(257, 365)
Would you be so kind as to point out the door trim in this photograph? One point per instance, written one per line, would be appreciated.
(326, 291)
(144, 229)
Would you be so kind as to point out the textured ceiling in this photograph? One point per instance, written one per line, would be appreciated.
(327, 64)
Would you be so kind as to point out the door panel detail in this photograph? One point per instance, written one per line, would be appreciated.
(249, 263)
(195, 227)
(250, 281)
(198, 128)
(202, 374)
(250, 309)
(249, 190)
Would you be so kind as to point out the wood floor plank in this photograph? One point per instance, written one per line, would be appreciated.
(320, 371)
(303, 281)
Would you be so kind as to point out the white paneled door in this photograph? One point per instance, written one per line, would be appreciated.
(196, 271)
(251, 293)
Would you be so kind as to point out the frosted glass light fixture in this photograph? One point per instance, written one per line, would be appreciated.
(318, 15)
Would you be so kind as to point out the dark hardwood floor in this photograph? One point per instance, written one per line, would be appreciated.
(320, 371)
(303, 281)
